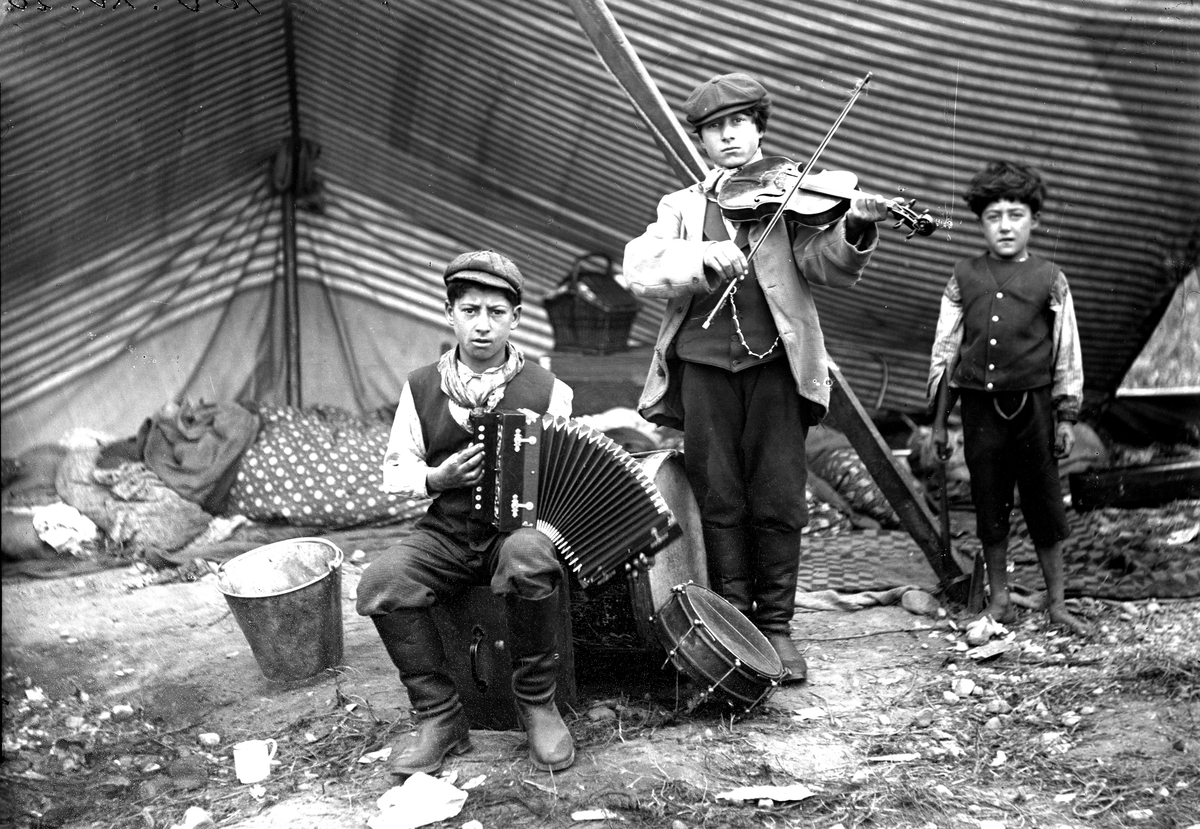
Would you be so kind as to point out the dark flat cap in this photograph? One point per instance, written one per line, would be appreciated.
(487, 268)
(722, 95)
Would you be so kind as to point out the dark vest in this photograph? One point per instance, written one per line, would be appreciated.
(1007, 323)
(451, 509)
(719, 344)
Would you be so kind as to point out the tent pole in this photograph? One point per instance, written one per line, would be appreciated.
(619, 57)
(291, 311)
(291, 280)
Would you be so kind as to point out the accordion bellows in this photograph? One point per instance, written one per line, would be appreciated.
(577, 486)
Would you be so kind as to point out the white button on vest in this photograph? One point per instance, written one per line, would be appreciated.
(991, 366)
(999, 294)
(990, 385)
(991, 342)
(995, 319)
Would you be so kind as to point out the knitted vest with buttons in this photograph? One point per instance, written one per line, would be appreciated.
(1007, 323)
(450, 512)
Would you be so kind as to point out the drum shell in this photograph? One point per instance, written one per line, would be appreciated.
(682, 560)
(717, 646)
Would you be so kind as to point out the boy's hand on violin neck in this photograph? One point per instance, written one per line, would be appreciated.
(864, 211)
(726, 259)
(869, 209)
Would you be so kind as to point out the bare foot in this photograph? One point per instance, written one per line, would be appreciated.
(1061, 616)
(1001, 612)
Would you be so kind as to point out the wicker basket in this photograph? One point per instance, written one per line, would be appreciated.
(589, 310)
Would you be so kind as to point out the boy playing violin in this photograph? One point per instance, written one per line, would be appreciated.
(746, 389)
(1008, 345)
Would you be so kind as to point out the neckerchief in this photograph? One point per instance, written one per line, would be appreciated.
(490, 386)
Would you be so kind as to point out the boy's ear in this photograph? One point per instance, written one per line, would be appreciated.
(516, 320)
(1033, 221)
(449, 312)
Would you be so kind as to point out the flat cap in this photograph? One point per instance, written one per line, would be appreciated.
(722, 95)
(487, 268)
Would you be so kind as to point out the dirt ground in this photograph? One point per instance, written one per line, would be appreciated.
(109, 683)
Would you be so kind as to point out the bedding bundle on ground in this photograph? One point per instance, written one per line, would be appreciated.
(161, 491)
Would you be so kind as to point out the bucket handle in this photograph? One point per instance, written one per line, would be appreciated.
(337, 560)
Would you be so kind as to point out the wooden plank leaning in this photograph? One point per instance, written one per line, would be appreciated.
(847, 414)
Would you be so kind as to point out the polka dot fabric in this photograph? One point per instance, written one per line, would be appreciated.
(317, 467)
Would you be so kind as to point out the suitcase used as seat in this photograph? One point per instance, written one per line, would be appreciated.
(474, 628)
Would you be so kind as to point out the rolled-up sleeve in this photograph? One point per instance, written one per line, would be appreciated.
(1067, 388)
(948, 337)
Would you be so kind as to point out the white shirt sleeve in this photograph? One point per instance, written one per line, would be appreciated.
(404, 466)
(1067, 389)
(562, 399)
(947, 339)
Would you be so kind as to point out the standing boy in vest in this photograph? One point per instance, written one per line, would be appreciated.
(431, 453)
(1007, 344)
(745, 390)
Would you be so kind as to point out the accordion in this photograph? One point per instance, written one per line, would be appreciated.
(574, 484)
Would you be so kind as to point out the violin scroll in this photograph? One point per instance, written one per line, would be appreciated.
(906, 216)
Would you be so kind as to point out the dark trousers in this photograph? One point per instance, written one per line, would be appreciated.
(744, 438)
(1001, 452)
(428, 566)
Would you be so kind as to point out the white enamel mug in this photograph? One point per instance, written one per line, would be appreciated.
(252, 759)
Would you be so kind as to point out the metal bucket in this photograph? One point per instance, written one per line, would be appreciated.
(287, 599)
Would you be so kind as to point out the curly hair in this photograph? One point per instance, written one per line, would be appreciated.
(1005, 180)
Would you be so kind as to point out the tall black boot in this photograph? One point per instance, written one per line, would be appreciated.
(729, 566)
(778, 564)
(415, 646)
(533, 629)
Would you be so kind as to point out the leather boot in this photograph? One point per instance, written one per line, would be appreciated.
(729, 565)
(778, 564)
(533, 630)
(415, 646)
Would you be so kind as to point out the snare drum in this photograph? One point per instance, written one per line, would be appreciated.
(717, 646)
(680, 561)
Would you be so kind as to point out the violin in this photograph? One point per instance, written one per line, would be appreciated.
(762, 188)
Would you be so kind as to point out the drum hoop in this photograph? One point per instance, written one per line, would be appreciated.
(759, 656)
(699, 606)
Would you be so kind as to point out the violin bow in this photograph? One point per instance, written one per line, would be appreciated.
(858, 88)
